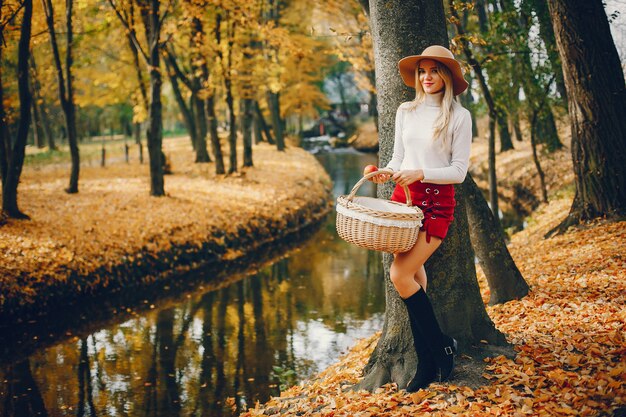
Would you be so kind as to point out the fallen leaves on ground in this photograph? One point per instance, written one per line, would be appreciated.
(114, 220)
(568, 334)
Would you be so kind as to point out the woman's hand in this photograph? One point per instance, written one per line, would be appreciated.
(378, 179)
(408, 176)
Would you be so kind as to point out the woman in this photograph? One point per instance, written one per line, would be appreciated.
(433, 135)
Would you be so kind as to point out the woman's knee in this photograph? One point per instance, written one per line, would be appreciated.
(400, 273)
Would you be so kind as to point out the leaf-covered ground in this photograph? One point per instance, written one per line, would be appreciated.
(113, 220)
(568, 333)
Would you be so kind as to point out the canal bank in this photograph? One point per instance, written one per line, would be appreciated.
(113, 237)
(210, 349)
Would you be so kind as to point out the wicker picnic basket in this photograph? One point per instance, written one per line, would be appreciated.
(378, 224)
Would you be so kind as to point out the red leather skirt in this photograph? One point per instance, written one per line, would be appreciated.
(436, 201)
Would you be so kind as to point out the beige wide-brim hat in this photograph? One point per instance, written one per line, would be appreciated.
(437, 53)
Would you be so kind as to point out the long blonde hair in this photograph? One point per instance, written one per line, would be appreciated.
(440, 127)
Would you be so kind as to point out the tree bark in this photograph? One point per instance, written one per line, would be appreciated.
(533, 144)
(246, 129)
(66, 91)
(40, 108)
(546, 128)
(273, 100)
(216, 147)
(188, 117)
(15, 154)
(264, 127)
(506, 283)
(400, 29)
(503, 129)
(493, 183)
(151, 18)
(5, 135)
(197, 40)
(597, 98)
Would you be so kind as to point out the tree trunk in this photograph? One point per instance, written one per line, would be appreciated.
(506, 283)
(5, 135)
(37, 129)
(517, 128)
(493, 183)
(246, 129)
(547, 35)
(151, 19)
(400, 29)
(188, 117)
(40, 109)
(232, 134)
(546, 129)
(202, 155)
(503, 128)
(533, 144)
(273, 104)
(66, 92)
(597, 99)
(216, 147)
(257, 130)
(493, 113)
(197, 40)
(264, 127)
(15, 156)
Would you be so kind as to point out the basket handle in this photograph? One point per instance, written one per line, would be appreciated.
(366, 177)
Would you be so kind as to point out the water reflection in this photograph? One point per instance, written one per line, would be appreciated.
(215, 353)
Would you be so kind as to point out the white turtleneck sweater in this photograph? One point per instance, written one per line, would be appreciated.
(415, 148)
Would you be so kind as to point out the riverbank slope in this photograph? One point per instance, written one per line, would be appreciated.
(113, 236)
(568, 333)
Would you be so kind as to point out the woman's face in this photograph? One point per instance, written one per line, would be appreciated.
(429, 77)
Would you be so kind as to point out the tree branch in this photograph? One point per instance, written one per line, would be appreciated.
(131, 32)
(171, 58)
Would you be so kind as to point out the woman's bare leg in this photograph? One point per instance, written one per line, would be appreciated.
(405, 265)
(421, 278)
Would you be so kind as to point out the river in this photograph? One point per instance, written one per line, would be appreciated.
(212, 353)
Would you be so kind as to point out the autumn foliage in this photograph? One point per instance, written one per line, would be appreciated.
(80, 245)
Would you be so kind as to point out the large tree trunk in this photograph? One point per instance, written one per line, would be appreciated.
(597, 99)
(506, 283)
(400, 29)
(15, 154)
(151, 18)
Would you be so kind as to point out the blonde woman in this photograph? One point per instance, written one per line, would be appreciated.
(433, 134)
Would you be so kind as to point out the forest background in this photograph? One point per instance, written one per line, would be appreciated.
(101, 70)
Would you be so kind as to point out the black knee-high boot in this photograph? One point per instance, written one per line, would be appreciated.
(441, 346)
(426, 367)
